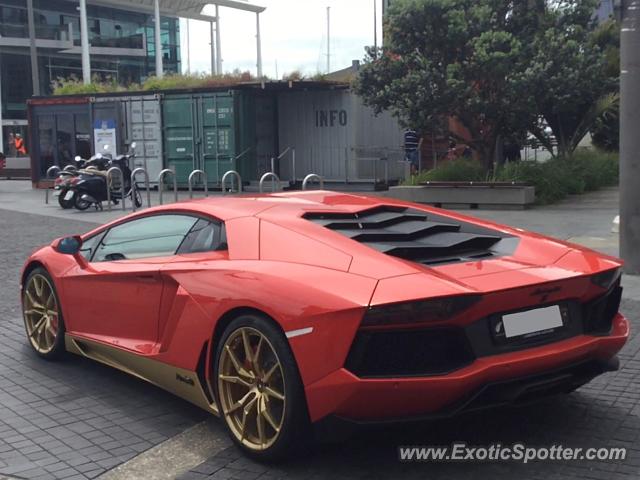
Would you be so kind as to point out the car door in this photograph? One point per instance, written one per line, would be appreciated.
(116, 298)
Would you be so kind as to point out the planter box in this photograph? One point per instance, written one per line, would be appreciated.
(467, 194)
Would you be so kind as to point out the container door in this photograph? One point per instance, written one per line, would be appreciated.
(145, 130)
(107, 128)
(217, 134)
(179, 143)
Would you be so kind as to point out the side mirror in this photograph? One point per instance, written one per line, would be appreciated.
(69, 245)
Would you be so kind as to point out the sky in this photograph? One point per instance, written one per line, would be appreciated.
(294, 36)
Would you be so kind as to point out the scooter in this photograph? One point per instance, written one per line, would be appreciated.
(62, 184)
(91, 187)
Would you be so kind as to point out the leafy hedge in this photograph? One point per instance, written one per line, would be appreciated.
(584, 171)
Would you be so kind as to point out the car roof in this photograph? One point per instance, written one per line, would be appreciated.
(285, 203)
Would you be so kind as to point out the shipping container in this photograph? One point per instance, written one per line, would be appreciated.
(299, 127)
(336, 136)
(137, 118)
(59, 130)
(199, 134)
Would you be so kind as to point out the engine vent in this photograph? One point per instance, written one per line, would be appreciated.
(415, 235)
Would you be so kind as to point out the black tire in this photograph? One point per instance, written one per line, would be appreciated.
(295, 433)
(58, 349)
(81, 204)
(66, 204)
(137, 198)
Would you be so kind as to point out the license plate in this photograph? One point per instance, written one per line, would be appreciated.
(532, 321)
(69, 195)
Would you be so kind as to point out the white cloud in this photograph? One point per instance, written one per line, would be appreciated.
(293, 34)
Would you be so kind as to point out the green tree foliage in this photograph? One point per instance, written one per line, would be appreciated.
(497, 66)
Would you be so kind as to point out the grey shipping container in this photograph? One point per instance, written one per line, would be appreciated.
(336, 136)
(138, 119)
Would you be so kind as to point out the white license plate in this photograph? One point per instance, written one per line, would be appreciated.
(69, 195)
(532, 321)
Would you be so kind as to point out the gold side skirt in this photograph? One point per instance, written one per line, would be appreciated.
(183, 383)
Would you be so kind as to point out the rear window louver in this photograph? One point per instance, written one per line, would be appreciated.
(414, 235)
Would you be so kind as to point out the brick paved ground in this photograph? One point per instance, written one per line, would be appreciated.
(75, 418)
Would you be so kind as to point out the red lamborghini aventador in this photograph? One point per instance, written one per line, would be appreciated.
(282, 310)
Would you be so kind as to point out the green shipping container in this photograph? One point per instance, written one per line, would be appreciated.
(199, 134)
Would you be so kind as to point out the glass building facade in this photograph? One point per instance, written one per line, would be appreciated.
(122, 50)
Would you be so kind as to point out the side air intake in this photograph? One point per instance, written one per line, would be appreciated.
(415, 235)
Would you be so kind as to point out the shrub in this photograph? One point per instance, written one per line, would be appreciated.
(459, 170)
(585, 170)
(74, 85)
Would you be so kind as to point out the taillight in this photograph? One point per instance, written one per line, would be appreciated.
(607, 278)
(422, 311)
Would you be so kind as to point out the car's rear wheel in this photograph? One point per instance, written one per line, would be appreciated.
(259, 390)
(42, 315)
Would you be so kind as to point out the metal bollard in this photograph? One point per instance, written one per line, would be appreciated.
(228, 174)
(134, 188)
(274, 178)
(190, 182)
(310, 177)
(161, 184)
(49, 174)
(122, 192)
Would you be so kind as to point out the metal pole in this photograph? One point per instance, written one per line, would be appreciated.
(375, 26)
(629, 138)
(1, 131)
(218, 44)
(213, 51)
(84, 43)
(188, 48)
(33, 52)
(158, 38)
(328, 39)
(258, 45)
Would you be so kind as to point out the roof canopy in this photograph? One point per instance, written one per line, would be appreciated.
(181, 8)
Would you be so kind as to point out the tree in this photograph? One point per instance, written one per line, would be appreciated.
(568, 73)
(457, 58)
(496, 66)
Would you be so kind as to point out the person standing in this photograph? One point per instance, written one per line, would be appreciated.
(21, 149)
(411, 142)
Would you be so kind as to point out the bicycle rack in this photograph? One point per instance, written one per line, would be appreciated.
(310, 177)
(50, 171)
(161, 184)
(122, 193)
(190, 181)
(274, 178)
(70, 168)
(134, 187)
(231, 173)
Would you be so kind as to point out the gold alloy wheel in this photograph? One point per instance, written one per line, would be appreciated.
(41, 313)
(251, 388)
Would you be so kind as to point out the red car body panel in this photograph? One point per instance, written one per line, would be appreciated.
(307, 277)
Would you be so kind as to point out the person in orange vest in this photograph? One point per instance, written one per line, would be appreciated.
(20, 147)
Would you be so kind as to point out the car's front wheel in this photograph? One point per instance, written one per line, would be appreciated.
(42, 314)
(259, 390)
